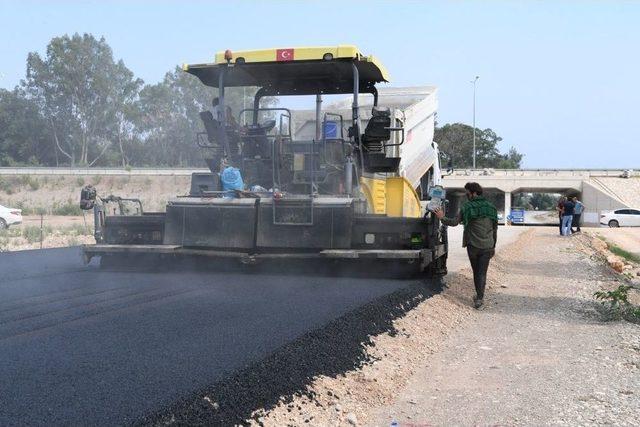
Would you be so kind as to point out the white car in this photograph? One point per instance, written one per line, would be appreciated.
(621, 218)
(9, 217)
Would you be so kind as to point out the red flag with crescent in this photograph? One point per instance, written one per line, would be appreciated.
(284, 54)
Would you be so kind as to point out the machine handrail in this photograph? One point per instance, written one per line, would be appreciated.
(395, 129)
(288, 111)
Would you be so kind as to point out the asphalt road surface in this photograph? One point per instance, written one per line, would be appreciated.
(83, 346)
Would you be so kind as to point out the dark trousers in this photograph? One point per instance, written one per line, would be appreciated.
(576, 221)
(479, 259)
(560, 219)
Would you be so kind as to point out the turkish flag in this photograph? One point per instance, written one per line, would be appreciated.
(284, 54)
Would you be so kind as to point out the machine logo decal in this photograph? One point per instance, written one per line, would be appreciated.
(284, 55)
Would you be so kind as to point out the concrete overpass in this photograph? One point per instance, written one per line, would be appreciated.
(599, 189)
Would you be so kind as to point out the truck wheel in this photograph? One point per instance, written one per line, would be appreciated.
(3, 224)
(614, 224)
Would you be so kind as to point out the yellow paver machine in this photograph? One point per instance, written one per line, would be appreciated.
(348, 192)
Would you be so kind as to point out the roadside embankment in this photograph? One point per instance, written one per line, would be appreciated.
(51, 211)
(60, 194)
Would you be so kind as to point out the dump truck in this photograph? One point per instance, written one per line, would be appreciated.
(356, 181)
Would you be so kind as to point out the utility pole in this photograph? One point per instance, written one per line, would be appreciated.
(474, 120)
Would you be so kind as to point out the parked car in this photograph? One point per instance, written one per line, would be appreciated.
(621, 218)
(9, 217)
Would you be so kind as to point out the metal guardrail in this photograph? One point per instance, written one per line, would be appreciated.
(100, 171)
(497, 173)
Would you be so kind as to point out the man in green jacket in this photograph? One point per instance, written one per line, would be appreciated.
(480, 220)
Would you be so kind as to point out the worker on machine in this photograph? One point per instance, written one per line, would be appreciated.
(480, 220)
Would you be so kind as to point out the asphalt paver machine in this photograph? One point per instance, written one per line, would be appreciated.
(341, 194)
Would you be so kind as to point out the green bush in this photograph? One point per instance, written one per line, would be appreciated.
(10, 232)
(6, 185)
(33, 234)
(80, 181)
(68, 209)
(31, 182)
(616, 304)
(77, 230)
(96, 180)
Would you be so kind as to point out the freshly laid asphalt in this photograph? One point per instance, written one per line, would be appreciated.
(84, 346)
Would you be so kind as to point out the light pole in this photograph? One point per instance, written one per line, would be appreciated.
(474, 120)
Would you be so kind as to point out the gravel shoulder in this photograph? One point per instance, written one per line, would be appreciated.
(538, 354)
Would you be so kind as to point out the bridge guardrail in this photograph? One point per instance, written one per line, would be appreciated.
(538, 172)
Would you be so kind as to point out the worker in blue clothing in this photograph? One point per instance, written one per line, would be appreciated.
(577, 213)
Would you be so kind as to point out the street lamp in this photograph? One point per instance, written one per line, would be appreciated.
(474, 120)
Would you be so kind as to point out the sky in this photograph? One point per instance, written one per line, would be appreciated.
(558, 80)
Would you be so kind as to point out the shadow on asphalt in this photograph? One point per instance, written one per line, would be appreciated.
(378, 268)
(336, 348)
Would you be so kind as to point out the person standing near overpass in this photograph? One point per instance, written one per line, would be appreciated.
(560, 209)
(577, 213)
(480, 220)
(567, 217)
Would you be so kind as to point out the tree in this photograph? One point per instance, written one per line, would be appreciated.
(82, 92)
(456, 139)
(170, 116)
(23, 132)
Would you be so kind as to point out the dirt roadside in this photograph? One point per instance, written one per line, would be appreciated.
(627, 238)
(538, 354)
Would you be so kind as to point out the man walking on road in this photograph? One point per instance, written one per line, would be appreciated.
(480, 220)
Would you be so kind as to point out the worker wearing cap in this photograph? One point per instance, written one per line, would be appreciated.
(480, 220)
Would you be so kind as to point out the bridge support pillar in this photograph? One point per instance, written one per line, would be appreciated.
(507, 206)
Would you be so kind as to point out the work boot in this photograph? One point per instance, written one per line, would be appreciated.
(477, 302)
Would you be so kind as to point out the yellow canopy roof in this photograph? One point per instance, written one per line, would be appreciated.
(324, 69)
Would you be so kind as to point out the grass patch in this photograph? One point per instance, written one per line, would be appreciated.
(10, 232)
(76, 230)
(66, 209)
(31, 182)
(30, 210)
(616, 304)
(7, 186)
(80, 181)
(629, 256)
(33, 234)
